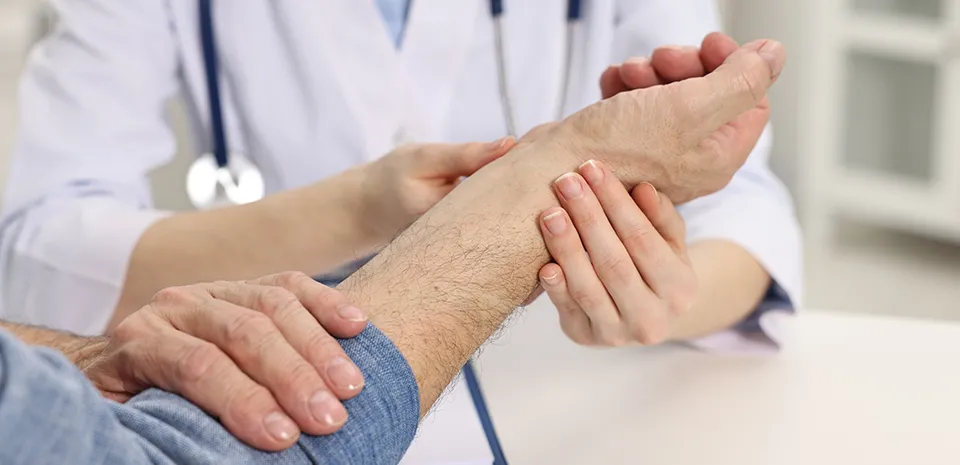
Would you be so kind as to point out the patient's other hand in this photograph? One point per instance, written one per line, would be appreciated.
(258, 355)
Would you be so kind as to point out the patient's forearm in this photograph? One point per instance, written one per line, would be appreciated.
(449, 281)
(79, 350)
(732, 284)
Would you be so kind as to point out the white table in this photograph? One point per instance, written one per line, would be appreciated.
(848, 389)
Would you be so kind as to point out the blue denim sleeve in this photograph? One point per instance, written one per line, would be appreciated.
(51, 414)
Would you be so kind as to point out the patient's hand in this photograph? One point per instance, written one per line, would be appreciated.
(693, 141)
(257, 355)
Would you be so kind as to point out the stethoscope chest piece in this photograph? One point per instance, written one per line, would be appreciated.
(211, 186)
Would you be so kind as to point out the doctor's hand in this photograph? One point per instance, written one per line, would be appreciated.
(621, 273)
(259, 355)
(705, 123)
(400, 187)
(668, 64)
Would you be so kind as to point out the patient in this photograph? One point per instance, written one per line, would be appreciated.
(433, 296)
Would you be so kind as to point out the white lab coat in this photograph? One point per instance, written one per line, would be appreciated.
(311, 87)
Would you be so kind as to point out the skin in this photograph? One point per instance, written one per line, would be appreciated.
(312, 229)
(260, 355)
(447, 282)
(642, 284)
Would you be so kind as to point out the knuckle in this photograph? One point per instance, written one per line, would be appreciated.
(710, 149)
(586, 218)
(685, 295)
(198, 362)
(130, 329)
(301, 380)
(588, 299)
(322, 345)
(291, 279)
(173, 295)
(639, 241)
(275, 300)
(647, 333)
(612, 337)
(249, 402)
(248, 330)
(617, 270)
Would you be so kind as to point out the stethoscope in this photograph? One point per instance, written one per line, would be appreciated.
(224, 178)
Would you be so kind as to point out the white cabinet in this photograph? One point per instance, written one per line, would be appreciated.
(880, 115)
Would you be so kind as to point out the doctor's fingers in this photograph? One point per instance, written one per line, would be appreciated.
(664, 217)
(154, 353)
(578, 288)
(677, 63)
(670, 278)
(451, 161)
(715, 49)
(642, 314)
(673, 63)
(260, 349)
(573, 321)
(701, 106)
(611, 227)
(668, 64)
(611, 83)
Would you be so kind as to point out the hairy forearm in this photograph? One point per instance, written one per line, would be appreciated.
(732, 284)
(448, 282)
(80, 350)
(311, 229)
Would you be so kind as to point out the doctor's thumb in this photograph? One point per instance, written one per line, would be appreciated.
(739, 85)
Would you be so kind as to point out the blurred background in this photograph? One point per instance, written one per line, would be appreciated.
(867, 118)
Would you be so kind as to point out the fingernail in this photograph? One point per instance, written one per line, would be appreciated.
(772, 53)
(591, 172)
(551, 280)
(351, 313)
(556, 223)
(497, 144)
(637, 61)
(569, 186)
(280, 427)
(344, 374)
(649, 186)
(327, 409)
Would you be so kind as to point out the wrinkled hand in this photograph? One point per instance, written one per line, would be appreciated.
(687, 137)
(256, 354)
(622, 274)
(404, 184)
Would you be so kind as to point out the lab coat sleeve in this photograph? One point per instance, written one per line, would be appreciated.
(755, 210)
(92, 124)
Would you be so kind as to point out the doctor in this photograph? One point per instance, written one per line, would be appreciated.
(310, 89)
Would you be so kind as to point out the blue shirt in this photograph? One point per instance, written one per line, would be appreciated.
(50, 414)
(394, 13)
